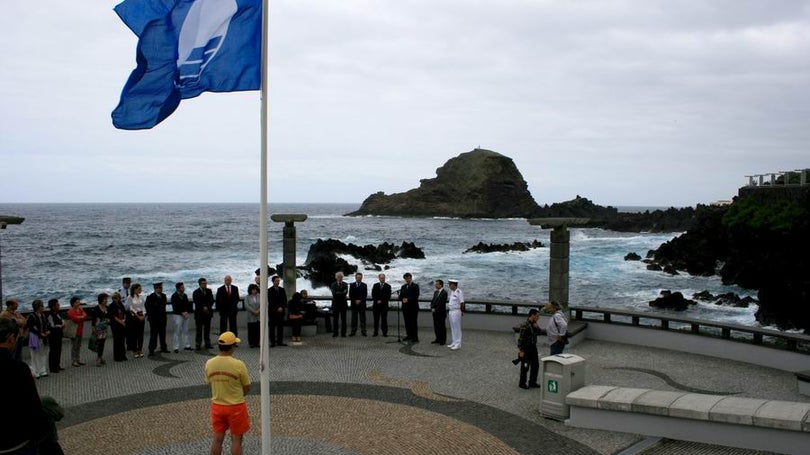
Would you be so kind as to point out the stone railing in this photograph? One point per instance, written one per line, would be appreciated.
(733, 332)
(772, 177)
(770, 338)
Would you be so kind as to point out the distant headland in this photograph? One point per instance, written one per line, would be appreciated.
(477, 184)
(485, 184)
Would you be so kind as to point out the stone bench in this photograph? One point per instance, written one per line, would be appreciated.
(308, 329)
(750, 423)
(803, 379)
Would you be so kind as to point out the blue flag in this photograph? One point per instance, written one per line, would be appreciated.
(187, 47)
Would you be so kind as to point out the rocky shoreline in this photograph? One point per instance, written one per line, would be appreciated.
(756, 242)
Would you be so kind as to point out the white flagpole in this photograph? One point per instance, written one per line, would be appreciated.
(264, 351)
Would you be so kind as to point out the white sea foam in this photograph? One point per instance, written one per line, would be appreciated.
(83, 249)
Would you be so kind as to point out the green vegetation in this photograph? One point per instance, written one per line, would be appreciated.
(772, 215)
(794, 179)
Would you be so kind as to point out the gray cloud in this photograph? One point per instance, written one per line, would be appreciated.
(626, 102)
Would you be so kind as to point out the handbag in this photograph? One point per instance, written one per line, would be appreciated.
(91, 344)
(70, 329)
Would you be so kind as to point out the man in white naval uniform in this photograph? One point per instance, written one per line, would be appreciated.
(456, 307)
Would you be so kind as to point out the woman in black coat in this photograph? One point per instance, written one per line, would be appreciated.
(295, 316)
(118, 322)
(55, 337)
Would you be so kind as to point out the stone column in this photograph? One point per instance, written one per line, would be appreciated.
(558, 270)
(560, 255)
(5, 221)
(288, 274)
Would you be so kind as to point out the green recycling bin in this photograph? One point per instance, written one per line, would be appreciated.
(562, 374)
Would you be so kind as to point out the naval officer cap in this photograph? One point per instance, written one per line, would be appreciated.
(452, 281)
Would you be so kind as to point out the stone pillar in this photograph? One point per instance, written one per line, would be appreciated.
(288, 274)
(803, 178)
(559, 255)
(558, 270)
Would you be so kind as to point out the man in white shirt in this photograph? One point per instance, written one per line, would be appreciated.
(556, 328)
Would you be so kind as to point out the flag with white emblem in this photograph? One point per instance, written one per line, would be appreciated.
(187, 47)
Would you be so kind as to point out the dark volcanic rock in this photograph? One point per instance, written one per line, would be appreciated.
(503, 247)
(654, 267)
(671, 301)
(632, 257)
(732, 299)
(670, 220)
(760, 241)
(668, 269)
(486, 184)
(729, 298)
(323, 263)
(411, 251)
(698, 250)
(322, 269)
(579, 207)
(705, 296)
(479, 184)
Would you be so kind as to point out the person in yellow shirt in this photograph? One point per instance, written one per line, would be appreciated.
(230, 383)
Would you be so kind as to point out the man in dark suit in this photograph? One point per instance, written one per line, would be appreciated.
(156, 313)
(203, 312)
(276, 304)
(228, 306)
(438, 307)
(380, 295)
(409, 295)
(358, 292)
(339, 292)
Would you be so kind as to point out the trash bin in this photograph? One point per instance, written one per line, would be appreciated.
(562, 374)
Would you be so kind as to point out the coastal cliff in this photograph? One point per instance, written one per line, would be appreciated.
(476, 184)
(757, 242)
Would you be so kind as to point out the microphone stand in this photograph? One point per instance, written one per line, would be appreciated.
(399, 307)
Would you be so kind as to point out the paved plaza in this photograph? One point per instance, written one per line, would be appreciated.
(372, 395)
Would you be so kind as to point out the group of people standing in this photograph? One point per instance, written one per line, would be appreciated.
(203, 304)
(355, 295)
(43, 332)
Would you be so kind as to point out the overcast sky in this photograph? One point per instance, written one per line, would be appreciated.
(634, 102)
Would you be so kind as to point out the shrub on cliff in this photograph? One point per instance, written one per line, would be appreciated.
(779, 215)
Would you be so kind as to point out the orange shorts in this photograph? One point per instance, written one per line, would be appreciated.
(234, 417)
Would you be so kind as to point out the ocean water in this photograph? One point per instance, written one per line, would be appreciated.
(63, 250)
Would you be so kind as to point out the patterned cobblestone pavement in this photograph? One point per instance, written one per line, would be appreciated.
(372, 396)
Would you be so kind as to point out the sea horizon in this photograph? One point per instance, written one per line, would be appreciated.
(620, 208)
